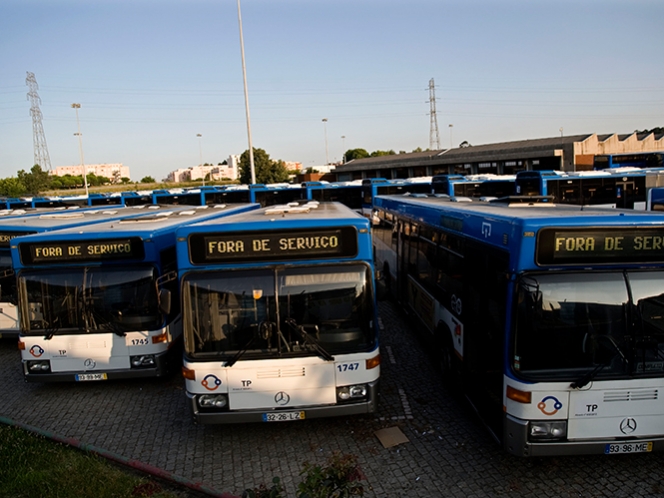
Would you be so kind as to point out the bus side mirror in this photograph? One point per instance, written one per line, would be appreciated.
(165, 301)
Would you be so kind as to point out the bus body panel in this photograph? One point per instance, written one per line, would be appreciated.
(8, 320)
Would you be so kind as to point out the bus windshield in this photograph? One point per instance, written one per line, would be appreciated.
(80, 300)
(606, 325)
(297, 311)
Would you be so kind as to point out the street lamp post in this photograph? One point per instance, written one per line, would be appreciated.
(343, 146)
(327, 159)
(451, 126)
(76, 107)
(200, 150)
(246, 97)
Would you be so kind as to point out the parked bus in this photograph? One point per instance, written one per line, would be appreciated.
(633, 159)
(372, 187)
(618, 188)
(279, 315)
(347, 193)
(474, 186)
(101, 301)
(550, 319)
(18, 222)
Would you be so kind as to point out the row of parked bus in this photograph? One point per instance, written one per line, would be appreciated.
(275, 307)
(624, 187)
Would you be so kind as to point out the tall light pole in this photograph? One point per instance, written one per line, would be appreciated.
(246, 97)
(327, 160)
(200, 150)
(451, 126)
(343, 147)
(76, 107)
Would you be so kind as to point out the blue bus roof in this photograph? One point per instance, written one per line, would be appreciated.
(148, 221)
(516, 228)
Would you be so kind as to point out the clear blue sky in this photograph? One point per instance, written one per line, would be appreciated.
(152, 74)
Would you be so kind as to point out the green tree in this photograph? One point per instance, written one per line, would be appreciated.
(378, 153)
(657, 130)
(267, 170)
(355, 154)
(11, 187)
(36, 181)
(147, 179)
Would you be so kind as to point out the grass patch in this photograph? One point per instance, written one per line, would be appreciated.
(32, 466)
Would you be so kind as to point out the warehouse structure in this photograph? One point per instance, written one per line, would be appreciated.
(573, 153)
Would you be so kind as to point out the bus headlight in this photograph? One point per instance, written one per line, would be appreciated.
(218, 401)
(39, 366)
(541, 429)
(142, 361)
(352, 393)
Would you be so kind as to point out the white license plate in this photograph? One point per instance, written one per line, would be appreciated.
(615, 448)
(282, 416)
(95, 376)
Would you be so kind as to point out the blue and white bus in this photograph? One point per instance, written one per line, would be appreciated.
(550, 319)
(617, 188)
(474, 186)
(100, 301)
(18, 222)
(279, 315)
(632, 159)
(371, 187)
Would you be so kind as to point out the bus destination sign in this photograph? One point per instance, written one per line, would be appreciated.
(570, 246)
(235, 247)
(6, 237)
(41, 253)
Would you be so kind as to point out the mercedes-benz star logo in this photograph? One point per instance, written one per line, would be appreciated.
(89, 363)
(628, 425)
(281, 398)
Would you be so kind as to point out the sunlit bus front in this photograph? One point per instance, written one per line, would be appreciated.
(280, 342)
(92, 323)
(587, 359)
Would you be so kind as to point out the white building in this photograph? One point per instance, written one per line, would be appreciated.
(110, 171)
(213, 173)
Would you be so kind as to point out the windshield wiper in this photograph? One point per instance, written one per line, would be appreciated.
(237, 355)
(589, 376)
(307, 337)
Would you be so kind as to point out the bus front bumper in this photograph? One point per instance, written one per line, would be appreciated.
(515, 441)
(164, 364)
(249, 416)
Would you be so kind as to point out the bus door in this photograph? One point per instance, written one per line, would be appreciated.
(484, 315)
(626, 194)
(407, 237)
